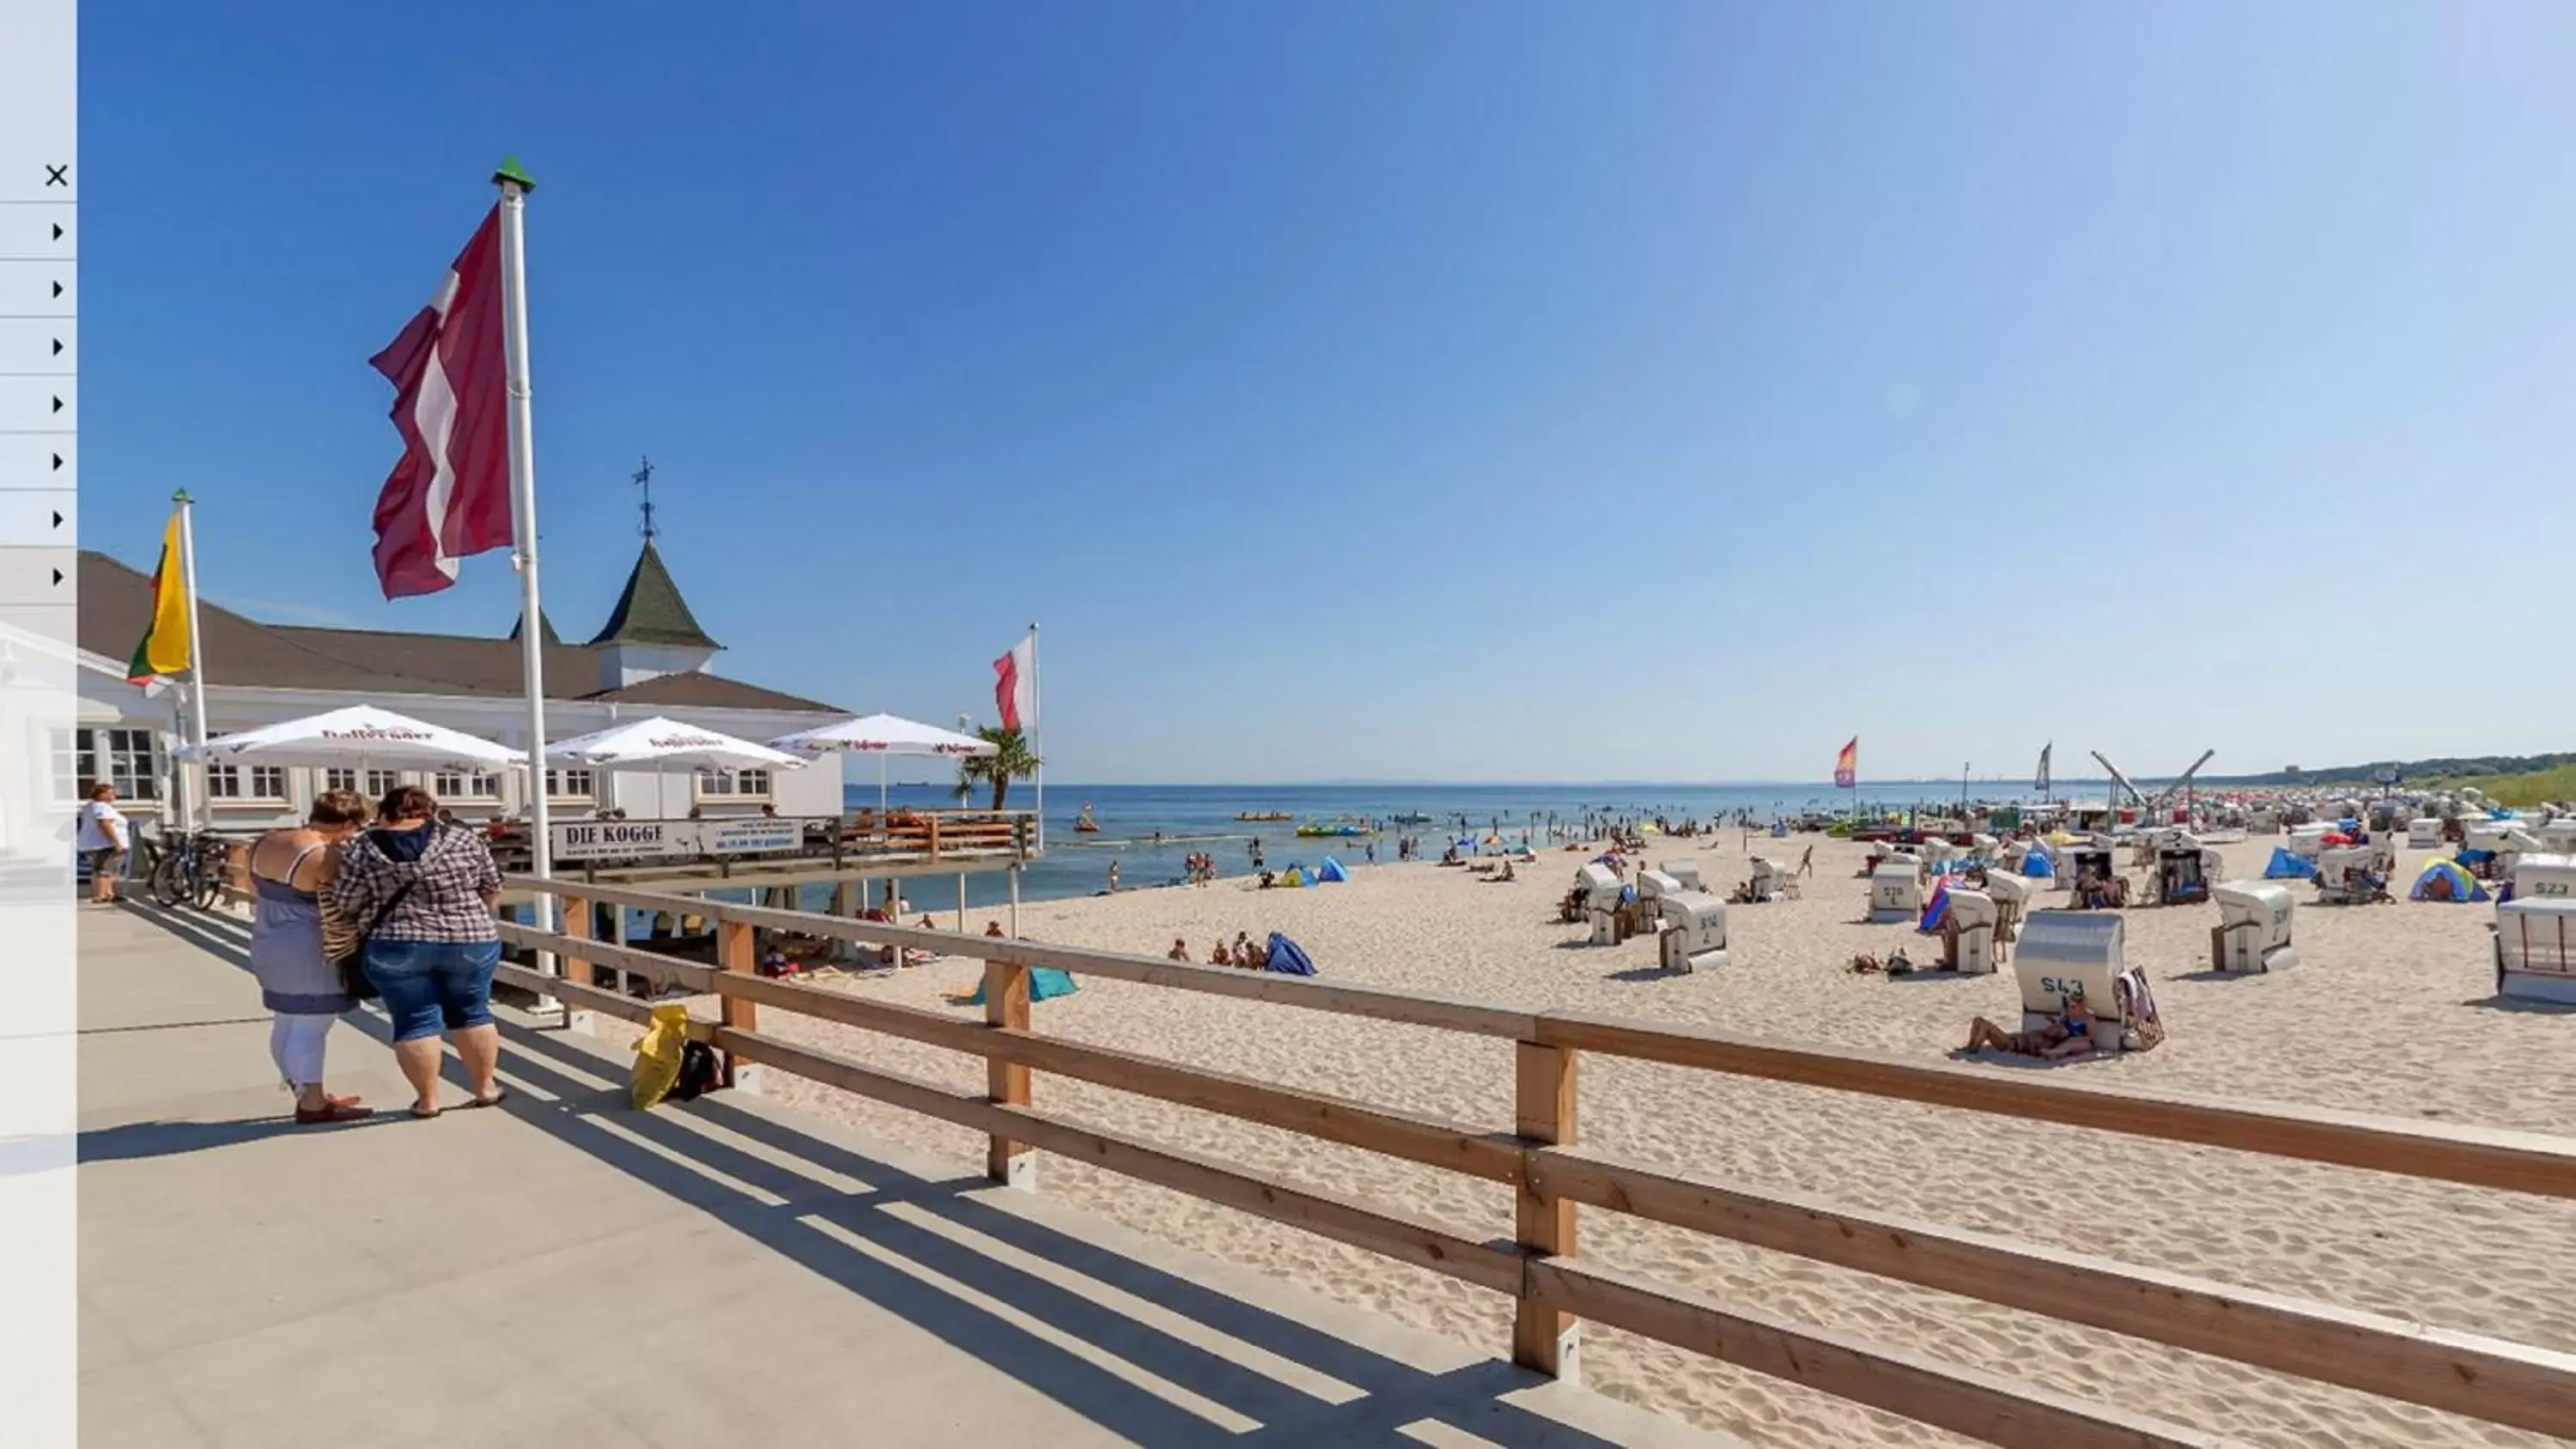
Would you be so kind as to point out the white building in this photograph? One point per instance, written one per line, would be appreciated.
(650, 658)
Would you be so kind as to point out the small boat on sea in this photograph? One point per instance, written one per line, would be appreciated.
(1332, 829)
(1410, 819)
(1084, 824)
(1265, 815)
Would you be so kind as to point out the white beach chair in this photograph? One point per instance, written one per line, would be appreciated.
(1694, 934)
(2068, 952)
(1896, 889)
(2253, 930)
(2535, 949)
(1969, 946)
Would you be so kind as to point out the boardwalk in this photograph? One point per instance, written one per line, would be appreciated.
(565, 1271)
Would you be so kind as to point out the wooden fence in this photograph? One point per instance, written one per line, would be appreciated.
(1551, 1173)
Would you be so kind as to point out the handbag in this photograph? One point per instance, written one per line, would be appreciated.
(353, 961)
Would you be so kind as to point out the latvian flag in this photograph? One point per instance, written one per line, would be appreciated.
(1015, 686)
(450, 494)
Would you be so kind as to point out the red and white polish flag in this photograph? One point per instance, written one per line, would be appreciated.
(450, 494)
(1015, 686)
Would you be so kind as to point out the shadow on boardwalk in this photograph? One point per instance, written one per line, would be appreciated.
(1139, 1350)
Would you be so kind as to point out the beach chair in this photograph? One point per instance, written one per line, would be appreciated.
(2535, 949)
(1694, 934)
(2253, 930)
(1968, 934)
(2066, 952)
(1896, 889)
(1602, 894)
(1769, 881)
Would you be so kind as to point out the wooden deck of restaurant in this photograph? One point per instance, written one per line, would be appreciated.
(566, 1271)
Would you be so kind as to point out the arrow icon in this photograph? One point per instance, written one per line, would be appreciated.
(58, 347)
(58, 405)
(58, 518)
(58, 462)
(58, 289)
(58, 578)
(58, 231)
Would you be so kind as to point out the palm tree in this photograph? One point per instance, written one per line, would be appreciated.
(1009, 761)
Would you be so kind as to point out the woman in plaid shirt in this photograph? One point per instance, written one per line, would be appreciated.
(423, 891)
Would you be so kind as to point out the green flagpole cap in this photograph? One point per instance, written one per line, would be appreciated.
(178, 495)
(512, 171)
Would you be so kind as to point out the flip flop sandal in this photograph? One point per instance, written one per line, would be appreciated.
(424, 1114)
(499, 1096)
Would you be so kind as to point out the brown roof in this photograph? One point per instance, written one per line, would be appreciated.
(116, 609)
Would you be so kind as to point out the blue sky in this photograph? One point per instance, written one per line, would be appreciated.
(1426, 391)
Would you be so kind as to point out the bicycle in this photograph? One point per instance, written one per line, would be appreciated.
(192, 871)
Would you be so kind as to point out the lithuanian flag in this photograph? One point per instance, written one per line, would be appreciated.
(166, 647)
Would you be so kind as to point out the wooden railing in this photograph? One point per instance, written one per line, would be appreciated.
(1542, 1267)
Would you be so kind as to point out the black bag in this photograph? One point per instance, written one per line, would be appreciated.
(701, 1072)
(353, 966)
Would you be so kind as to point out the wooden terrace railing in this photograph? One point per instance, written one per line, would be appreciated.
(1542, 1267)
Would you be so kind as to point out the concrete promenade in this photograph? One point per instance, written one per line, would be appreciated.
(565, 1271)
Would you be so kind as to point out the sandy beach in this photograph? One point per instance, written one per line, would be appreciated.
(2388, 1012)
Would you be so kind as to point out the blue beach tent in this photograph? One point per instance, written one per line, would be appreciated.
(1331, 871)
(1939, 907)
(1288, 957)
(1045, 984)
(2037, 866)
(2286, 866)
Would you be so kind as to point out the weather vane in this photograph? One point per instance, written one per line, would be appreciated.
(644, 480)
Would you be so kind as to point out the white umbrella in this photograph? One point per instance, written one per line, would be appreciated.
(661, 746)
(882, 735)
(360, 734)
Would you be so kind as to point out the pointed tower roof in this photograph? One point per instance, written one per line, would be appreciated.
(545, 627)
(651, 611)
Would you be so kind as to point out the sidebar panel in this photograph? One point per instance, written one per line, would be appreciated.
(39, 468)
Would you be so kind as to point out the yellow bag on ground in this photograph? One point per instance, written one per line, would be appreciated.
(657, 1054)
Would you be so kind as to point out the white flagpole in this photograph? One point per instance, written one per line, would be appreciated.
(198, 796)
(515, 187)
(1038, 746)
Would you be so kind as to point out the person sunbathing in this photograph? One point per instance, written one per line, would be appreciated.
(2058, 1036)
(1507, 873)
(1252, 956)
(1180, 951)
(1219, 956)
(993, 929)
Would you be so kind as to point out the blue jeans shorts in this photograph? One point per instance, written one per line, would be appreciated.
(433, 986)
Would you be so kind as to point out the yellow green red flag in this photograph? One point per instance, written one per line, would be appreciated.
(166, 647)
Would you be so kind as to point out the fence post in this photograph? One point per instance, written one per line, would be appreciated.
(1544, 1338)
(737, 950)
(1006, 1004)
(577, 924)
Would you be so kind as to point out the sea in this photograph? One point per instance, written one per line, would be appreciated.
(1149, 831)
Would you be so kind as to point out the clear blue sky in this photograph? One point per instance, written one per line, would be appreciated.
(1429, 391)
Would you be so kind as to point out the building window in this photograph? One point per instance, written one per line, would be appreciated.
(569, 785)
(375, 785)
(254, 784)
(733, 785)
(70, 771)
(128, 759)
(467, 785)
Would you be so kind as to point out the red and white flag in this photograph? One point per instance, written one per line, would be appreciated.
(450, 494)
(1015, 686)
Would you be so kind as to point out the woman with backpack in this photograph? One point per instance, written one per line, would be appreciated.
(423, 892)
(303, 991)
